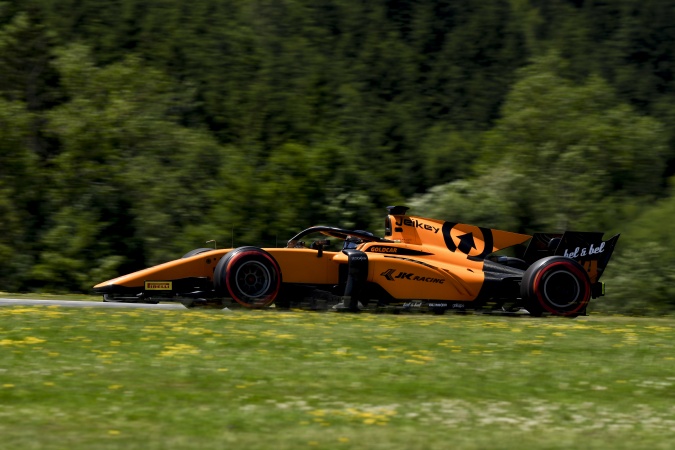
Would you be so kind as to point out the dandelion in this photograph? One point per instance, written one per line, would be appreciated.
(285, 336)
(179, 350)
(30, 340)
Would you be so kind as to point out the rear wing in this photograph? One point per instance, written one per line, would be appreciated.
(587, 248)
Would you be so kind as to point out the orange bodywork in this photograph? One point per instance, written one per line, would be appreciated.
(201, 265)
(419, 264)
(434, 260)
(298, 266)
(420, 259)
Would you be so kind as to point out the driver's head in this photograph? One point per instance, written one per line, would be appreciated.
(352, 242)
(355, 241)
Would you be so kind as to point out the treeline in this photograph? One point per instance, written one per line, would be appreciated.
(134, 130)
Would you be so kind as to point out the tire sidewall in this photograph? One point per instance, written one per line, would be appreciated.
(225, 274)
(534, 285)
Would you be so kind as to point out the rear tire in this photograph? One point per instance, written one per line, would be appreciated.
(250, 275)
(555, 285)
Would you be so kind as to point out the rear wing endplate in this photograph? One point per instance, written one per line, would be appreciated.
(587, 248)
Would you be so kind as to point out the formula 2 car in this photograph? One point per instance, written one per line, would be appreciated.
(420, 263)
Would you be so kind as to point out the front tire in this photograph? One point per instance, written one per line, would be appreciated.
(250, 275)
(556, 285)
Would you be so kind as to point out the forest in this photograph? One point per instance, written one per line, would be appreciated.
(132, 131)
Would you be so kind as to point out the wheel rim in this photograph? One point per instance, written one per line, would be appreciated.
(253, 279)
(562, 289)
(552, 288)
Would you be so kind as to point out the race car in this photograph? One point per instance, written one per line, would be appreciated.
(419, 264)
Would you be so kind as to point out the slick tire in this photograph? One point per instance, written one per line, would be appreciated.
(555, 285)
(249, 275)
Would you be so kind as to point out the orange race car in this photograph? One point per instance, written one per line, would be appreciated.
(419, 264)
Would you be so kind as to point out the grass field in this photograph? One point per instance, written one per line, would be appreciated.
(75, 378)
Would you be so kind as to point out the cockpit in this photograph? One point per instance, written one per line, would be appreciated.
(352, 238)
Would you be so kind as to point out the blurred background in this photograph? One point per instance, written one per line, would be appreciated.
(132, 131)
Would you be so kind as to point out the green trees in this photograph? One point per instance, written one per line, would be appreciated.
(25, 76)
(127, 179)
(581, 152)
(645, 283)
(133, 131)
(17, 204)
(562, 156)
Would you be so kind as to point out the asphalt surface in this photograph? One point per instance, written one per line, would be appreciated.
(78, 304)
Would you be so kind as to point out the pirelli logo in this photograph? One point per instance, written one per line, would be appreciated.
(158, 285)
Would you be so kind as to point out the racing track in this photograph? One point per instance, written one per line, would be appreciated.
(163, 306)
(83, 304)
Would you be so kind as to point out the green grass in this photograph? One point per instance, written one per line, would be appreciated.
(107, 379)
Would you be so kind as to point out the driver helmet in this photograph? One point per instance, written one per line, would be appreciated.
(355, 241)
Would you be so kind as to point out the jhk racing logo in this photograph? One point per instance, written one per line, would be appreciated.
(392, 275)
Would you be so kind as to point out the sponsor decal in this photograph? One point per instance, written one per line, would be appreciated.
(412, 305)
(466, 241)
(416, 224)
(158, 285)
(383, 249)
(586, 251)
(591, 266)
(391, 275)
(396, 250)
